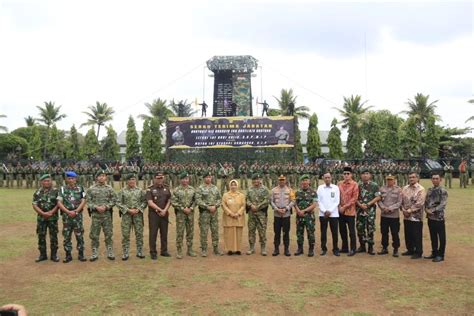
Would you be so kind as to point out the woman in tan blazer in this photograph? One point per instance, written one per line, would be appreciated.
(233, 218)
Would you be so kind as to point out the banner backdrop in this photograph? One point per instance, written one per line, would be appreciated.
(230, 132)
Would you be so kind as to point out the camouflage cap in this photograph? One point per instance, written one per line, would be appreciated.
(45, 176)
(183, 175)
(98, 173)
(364, 170)
(207, 174)
(256, 176)
(304, 177)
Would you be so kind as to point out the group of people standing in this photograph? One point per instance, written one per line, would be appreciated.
(347, 208)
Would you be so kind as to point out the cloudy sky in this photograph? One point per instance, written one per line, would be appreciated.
(126, 53)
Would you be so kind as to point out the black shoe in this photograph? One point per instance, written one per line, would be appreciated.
(68, 257)
(299, 252)
(276, 252)
(92, 259)
(438, 259)
(323, 252)
(287, 252)
(361, 249)
(81, 256)
(351, 253)
(343, 251)
(370, 251)
(54, 257)
(415, 256)
(238, 253)
(432, 256)
(395, 253)
(311, 251)
(229, 253)
(165, 254)
(407, 253)
(140, 255)
(384, 251)
(111, 258)
(154, 256)
(125, 258)
(336, 253)
(42, 257)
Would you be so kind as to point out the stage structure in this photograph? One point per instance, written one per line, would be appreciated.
(232, 84)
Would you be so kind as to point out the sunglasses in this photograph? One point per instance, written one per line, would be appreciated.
(346, 173)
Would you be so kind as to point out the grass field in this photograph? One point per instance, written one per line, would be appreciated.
(361, 285)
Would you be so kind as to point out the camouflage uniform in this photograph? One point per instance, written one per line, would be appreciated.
(304, 198)
(46, 201)
(184, 197)
(71, 198)
(101, 194)
(365, 221)
(208, 195)
(260, 198)
(131, 198)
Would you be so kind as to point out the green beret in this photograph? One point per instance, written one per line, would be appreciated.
(183, 175)
(207, 174)
(304, 177)
(130, 176)
(98, 173)
(256, 176)
(364, 170)
(45, 176)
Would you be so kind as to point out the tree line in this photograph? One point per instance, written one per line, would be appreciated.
(371, 134)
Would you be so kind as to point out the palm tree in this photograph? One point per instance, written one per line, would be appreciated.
(287, 107)
(158, 109)
(353, 111)
(3, 128)
(472, 117)
(421, 110)
(30, 121)
(182, 108)
(49, 115)
(99, 114)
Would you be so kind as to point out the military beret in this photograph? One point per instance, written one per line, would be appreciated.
(390, 177)
(71, 174)
(347, 169)
(364, 170)
(183, 175)
(281, 177)
(304, 177)
(45, 176)
(256, 176)
(98, 173)
(207, 174)
(130, 176)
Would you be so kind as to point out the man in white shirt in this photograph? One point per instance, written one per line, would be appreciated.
(328, 200)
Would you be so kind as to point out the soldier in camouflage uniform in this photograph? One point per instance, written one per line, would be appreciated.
(2, 175)
(71, 201)
(369, 195)
(305, 203)
(28, 169)
(243, 170)
(131, 203)
(45, 205)
(19, 175)
(208, 200)
(58, 175)
(257, 200)
(100, 201)
(10, 175)
(183, 200)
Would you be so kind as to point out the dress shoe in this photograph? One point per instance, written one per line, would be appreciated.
(229, 253)
(407, 253)
(415, 256)
(343, 251)
(432, 256)
(351, 253)
(238, 253)
(287, 252)
(336, 253)
(276, 252)
(154, 256)
(323, 252)
(165, 254)
(438, 259)
(395, 253)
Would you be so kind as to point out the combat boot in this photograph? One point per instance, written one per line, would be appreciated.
(95, 255)
(54, 255)
(300, 251)
(311, 250)
(140, 253)
(110, 253)
(362, 247)
(179, 253)
(287, 251)
(251, 250)
(42, 257)
(276, 252)
(191, 253)
(370, 251)
(81, 256)
(125, 254)
(384, 251)
(395, 252)
(217, 252)
(263, 249)
(203, 252)
(68, 257)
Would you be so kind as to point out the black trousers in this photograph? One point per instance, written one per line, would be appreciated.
(393, 225)
(344, 223)
(155, 223)
(333, 223)
(437, 236)
(279, 224)
(413, 236)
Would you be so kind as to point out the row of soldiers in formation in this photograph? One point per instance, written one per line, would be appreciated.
(28, 175)
(348, 206)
